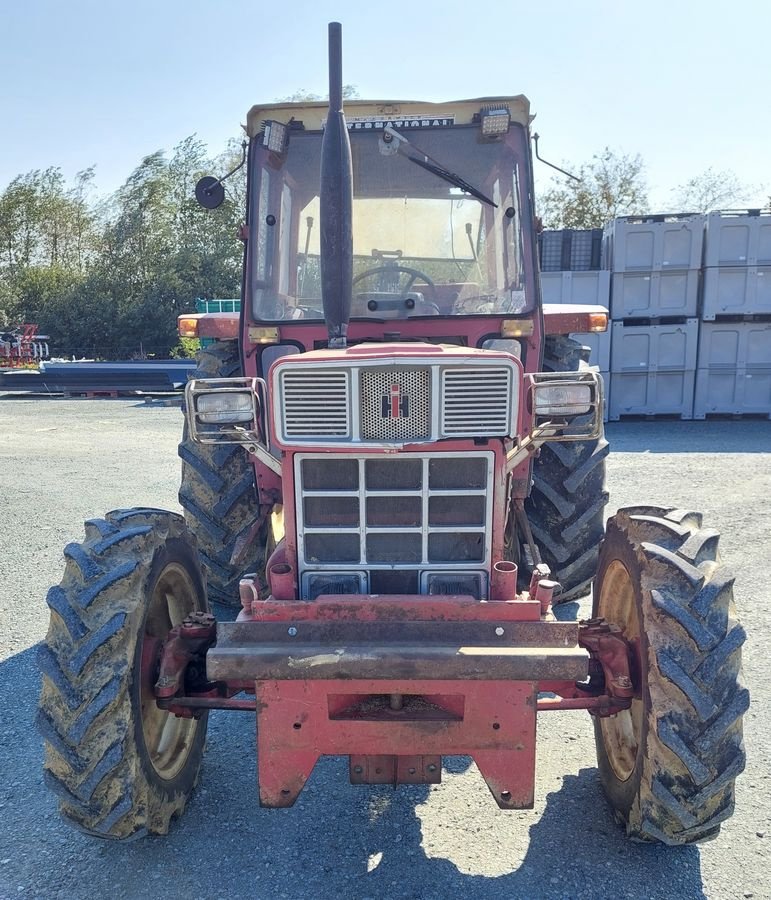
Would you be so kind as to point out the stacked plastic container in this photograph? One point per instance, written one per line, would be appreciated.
(570, 250)
(734, 374)
(216, 306)
(655, 264)
(571, 272)
(734, 363)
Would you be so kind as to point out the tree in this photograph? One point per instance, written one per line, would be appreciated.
(42, 222)
(712, 189)
(350, 92)
(611, 184)
(163, 250)
(108, 277)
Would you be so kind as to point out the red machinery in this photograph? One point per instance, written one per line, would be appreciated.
(23, 346)
(393, 464)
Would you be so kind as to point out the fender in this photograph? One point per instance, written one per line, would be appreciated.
(574, 318)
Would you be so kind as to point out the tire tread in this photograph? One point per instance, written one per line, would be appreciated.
(217, 492)
(694, 749)
(567, 502)
(85, 715)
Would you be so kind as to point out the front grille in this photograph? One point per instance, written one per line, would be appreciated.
(395, 404)
(476, 401)
(315, 404)
(420, 512)
(407, 402)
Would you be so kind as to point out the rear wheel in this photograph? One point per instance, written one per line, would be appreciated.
(668, 764)
(218, 493)
(120, 766)
(566, 505)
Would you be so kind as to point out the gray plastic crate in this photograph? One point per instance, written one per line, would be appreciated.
(655, 243)
(738, 238)
(591, 288)
(570, 250)
(653, 348)
(586, 250)
(736, 291)
(599, 342)
(654, 295)
(734, 391)
(651, 394)
(735, 345)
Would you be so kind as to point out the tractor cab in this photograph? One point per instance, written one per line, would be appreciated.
(442, 217)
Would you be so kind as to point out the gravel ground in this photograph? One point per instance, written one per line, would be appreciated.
(63, 461)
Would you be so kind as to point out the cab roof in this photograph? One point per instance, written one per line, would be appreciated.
(313, 113)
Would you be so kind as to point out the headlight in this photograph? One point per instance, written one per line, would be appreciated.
(562, 400)
(504, 344)
(225, 407)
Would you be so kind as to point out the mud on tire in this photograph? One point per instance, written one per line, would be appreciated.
(668, 765)
(136, 575)
(567, 502)
(217, 492)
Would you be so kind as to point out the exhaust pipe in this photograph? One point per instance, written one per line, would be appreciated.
(336, 202)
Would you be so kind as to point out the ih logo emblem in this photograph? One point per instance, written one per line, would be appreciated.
(395, 404)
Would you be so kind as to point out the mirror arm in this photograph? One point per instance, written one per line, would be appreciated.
(244, 145)
(551, 165)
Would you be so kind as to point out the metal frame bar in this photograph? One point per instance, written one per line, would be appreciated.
(295, 726)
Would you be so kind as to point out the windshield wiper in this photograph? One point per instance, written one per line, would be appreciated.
(426, 162)
(452, 178)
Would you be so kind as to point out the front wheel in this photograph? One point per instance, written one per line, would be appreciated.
(668, 764)
(120, 765)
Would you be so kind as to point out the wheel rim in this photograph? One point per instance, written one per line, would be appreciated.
(622, 733)
(168, 739)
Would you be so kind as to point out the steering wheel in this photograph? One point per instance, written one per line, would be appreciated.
(414, 275)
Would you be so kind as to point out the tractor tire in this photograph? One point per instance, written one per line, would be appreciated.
(566, 506)
(120, 766)
(668, 764)
(218, 493)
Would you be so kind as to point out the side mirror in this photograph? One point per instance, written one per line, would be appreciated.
(209, 192)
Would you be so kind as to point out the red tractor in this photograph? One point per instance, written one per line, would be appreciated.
(393, 466)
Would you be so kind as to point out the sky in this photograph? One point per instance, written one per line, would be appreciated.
(684, 83)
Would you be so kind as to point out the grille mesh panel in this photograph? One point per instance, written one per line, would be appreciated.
(476, 401)
(406, 392)
(315, 404)
(387, 404)
(438, 520)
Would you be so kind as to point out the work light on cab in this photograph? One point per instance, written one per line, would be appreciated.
(495, 121)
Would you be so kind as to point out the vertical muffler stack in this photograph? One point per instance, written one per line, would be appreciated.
(336, 199)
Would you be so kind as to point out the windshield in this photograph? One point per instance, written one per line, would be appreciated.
(437, 226)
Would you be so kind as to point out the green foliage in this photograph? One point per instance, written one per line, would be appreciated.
(350, 92)
(712, 189)
(187, 348)
(108, 279)
(611, 185)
